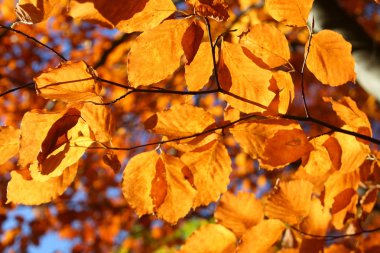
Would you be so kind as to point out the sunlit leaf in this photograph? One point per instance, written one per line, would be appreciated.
(69, 82)
(260, 238)
(290, 12)
(282, 85)
(330, 58)
(248, 82)
(318, 220)
(9, 143)
(211, 238)
(215, 9)
(33, 11)
(344, 207)
(24, 190)
(210, 166)
(266, 46)
(290, 201)
(239, 212)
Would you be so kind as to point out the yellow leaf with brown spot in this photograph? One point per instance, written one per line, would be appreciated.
(266, 46)
(35, 11)
(290, 201)
(69, 82)
(211, 238)
(245, 85)
(215, 9)
(158, 184)
(330, 58)
(127, 16)
(210, 166)
(344, 207)
(289, 12)
(199, 71)
(162, 60)
(24, 190)
(9, 143)
(179, 121)
(261, 238)
(239, 212)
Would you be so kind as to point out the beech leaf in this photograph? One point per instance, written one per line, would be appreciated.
(289, 12)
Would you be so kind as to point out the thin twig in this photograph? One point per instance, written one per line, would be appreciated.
(17, 88)
(34, 40)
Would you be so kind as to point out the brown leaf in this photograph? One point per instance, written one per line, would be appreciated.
(215, 9)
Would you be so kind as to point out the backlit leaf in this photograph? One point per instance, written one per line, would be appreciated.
(210, 166)
(368, 202)
(261, 238)
(35, 11)
(215, 9)
(290, 201)
(9, 143)
(69, 82)
(330, 58)
(290, 12)
(24, 190)
(162, 61)
(318, 220)
(266, 45)
(344, 207)
(282, 85)
(211, 238)
(239, 212)
(248, 82)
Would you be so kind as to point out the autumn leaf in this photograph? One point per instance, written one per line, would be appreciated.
(246, 83)
(31, 11)
(9, 143)
(330, 58)
(289, 12)
(290, 201)
(155, 183)
(24, 190)
(266, 46)
(368, 202)
(127, 16)
(318, 220)
(211, 238)
(282, 85)
(260, 238)
(215, 9)
(69, 82)
(162, 61)
(239, 212)
(344, 207)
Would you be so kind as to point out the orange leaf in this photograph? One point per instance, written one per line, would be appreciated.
(69, 82)
(179, 121)
(198, 72)
(260, 238)
(127, 16)
(150, 52)
(23, 190)
(157, 183)
(344, 207)
(368, 202)
(210, 166)
(290, 201)
(248, 82)
(9, 143)
(290, 12)
(32, 11)
(266, 46)
(239, 212)
(215, 9)
(318, 220)
(330, 58)
(211, 238)
(282, 85)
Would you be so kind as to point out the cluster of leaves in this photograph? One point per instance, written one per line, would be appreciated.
(249, 75)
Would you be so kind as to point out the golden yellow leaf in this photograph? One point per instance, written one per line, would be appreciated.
(318, 162)
(69, 82)
(35, 11)
(260, 238)
(290, 201)
(127, 16)
(9, 143)
(275, 143)
(267, 46)
(242, 77)
(330, 58)
(318, 220)
(199, 71)
(215, 9)
(24, 190)
(210, 166)
(210, 238)
(179, 121)
(289, 12)
(239, 212)
(158, 184)
(150, 60)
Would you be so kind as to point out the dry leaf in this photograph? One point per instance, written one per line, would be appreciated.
(9, 143)
(239, 212)
(211, 238)
(289, 12)
(330, 58)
